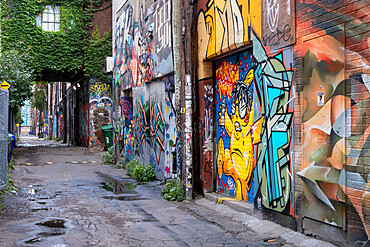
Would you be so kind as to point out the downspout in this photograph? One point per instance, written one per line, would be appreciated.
(176, 39)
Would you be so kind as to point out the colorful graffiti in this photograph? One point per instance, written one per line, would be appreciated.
(225, 25)
(329, 141)
(149, 128)
(132, 50)
(234, 115)
(100, 110)
(142, 41)
(127, 137)
(170, 127)
(56, 124)
(272, 130)
(335, 140)
(154, 127)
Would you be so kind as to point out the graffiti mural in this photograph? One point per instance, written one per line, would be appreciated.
(234, 116)
(336, 124)
(154, 127)
(127, 137)
(132, 50)
(272, 130)
(142, 41)
(55, 122)
(100, 110)
(324, 139)
(224, 25)
(278, 23)
(160, 21)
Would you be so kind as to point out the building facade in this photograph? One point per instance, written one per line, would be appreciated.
(283, 91)
(143, 84)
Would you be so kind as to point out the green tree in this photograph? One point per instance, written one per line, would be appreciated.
(14, 71)
(96, 52)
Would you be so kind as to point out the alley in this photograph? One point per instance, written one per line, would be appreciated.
(67, 197)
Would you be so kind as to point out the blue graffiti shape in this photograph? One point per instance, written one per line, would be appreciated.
(273, 83)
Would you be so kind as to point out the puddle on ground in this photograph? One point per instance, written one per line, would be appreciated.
(46, 233)
(39, 209)
(45, 198)
(124, 198)
(43, 235)
(118, 187)
(33, 240)
(57, 223)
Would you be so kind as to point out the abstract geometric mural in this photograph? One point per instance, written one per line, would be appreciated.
(272, 130)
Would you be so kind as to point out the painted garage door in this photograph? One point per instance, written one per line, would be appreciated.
(234, 121)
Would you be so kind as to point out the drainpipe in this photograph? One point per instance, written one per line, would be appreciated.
(51, 113)
(64, 101)
(176, 38)
(188, 97)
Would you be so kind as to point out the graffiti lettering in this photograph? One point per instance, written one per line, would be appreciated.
(223, 25)
(162, 19)
(275, 38)
(100, 108)
(272, 14)
(278, 23)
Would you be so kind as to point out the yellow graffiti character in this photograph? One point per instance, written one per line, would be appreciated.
(237, 161)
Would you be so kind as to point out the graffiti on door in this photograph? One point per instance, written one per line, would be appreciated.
(234, 116)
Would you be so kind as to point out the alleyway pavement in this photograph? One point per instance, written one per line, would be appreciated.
(67, 197)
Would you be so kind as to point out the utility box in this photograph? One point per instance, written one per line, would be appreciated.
(108, 135)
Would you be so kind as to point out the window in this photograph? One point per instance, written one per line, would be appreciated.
(50, 19)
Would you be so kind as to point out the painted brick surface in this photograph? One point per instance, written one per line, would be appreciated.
(102, 19)
(143, 82)
(345, 25)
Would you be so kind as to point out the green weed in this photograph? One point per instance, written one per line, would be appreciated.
(108, 157)
(173, 191)
(139, 171)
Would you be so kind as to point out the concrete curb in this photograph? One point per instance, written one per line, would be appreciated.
(266, 227)
(240, 206)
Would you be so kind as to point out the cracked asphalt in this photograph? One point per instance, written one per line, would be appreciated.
(67, 197)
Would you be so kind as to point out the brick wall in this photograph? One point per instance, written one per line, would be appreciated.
(102, 19)
(336, 34)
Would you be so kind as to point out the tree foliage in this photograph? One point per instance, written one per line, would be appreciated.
(39, 99)
(67, 50)
(14, 70)
(96, 52)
